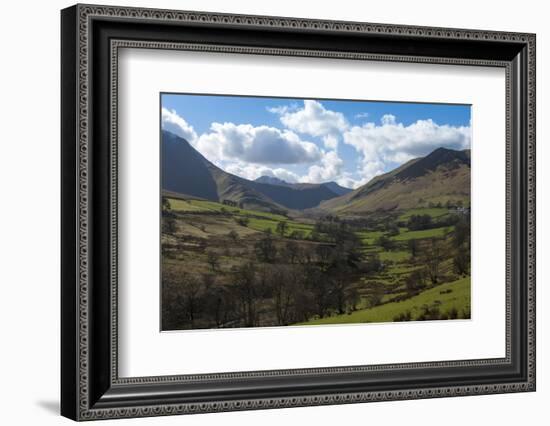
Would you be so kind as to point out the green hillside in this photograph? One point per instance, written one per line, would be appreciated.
(392, 273)
(439, 178)
(185, 171)
(445, 301)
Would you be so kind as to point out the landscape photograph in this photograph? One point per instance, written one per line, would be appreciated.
(300, 212)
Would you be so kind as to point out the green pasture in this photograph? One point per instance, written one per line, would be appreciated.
(212, 206)
(394, 256)
(434, 213)
(369, 237)
(458, 298)
(405, 235)
(262, 225)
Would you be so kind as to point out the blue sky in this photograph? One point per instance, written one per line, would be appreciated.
(313, 140)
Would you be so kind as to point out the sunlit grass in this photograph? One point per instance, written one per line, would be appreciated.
(434, 212)
(405, 235)
(458, 298)
(394, 256)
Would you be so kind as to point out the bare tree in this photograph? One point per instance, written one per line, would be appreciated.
(324, 253)
(416, 281)
(413, 247)
(433, 260)
(339, 285)
(461, 261)
(292, 252)
(181, 301)
(319, 286)
(282, 281)
(218, 302)
(213, 260)
(245, 287)
(265, 249)
(192, 291)
(281, 228)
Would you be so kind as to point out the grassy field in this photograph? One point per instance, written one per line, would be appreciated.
(405, 234)
(446, 297)
(369, 237)
(434, 213)
(212, 241)
(259, 221)
(394, 256)
(180, 205)
(263, 225)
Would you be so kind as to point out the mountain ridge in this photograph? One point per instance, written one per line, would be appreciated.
(331, 185)
(444, 174)
(182, 164)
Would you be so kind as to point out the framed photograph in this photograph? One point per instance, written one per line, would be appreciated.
(263, 212)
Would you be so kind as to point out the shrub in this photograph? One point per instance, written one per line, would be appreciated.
(233, 235)
(416, 280)
(374, 299)
(168, 222)
(243, 220)
(297, 235)
(429, 313)
(403, 316)
(419, 222)
(373, 264)
(453, 313)
(385, 242)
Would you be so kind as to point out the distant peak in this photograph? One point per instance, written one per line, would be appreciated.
(171, 135)
(448, 153)
(443, 150)
(337, 189)
(272, 180)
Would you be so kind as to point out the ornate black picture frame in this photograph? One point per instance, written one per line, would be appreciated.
(91, 387)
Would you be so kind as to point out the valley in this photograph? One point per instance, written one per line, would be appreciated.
(241, 253)
(225, 266)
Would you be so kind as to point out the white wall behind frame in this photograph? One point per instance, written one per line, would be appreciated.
(143, 351)
(29, 168)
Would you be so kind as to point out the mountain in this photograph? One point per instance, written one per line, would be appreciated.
(332, 186)
(297, 196)
(337, 189)
(442, 175)
(185, 171)
(272, 180)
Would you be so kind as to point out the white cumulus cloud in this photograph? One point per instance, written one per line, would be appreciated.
(347, 181)
(173, 123)
(252, 151)
(329, 169)
(254, 171)
(259, 145)
(314, 120)
(391, 142)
